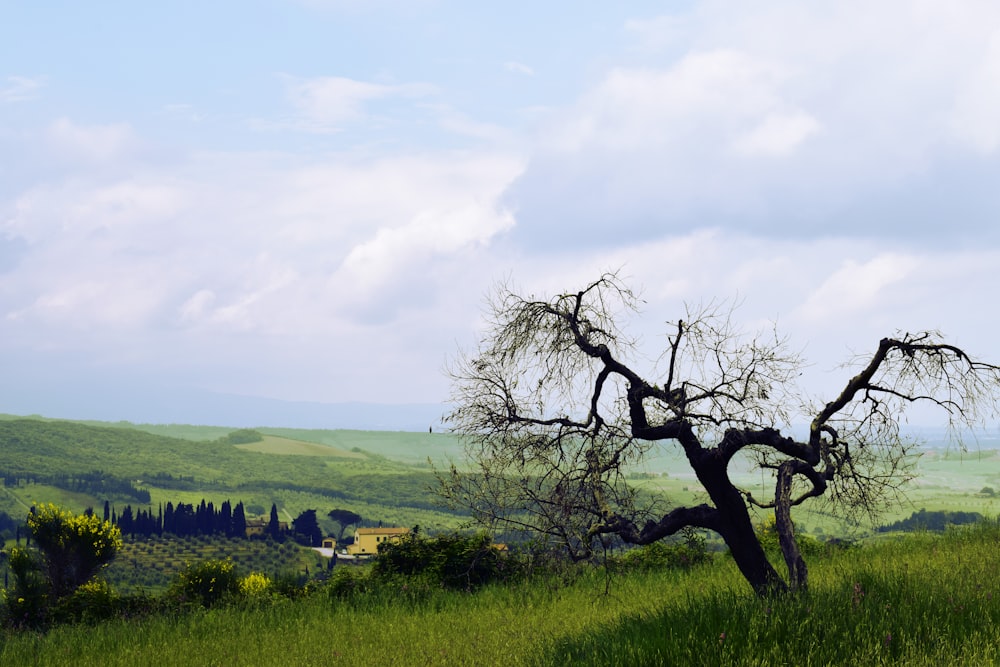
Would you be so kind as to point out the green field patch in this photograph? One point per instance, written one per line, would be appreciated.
(275, 444)
(402, 446)
(28, 495)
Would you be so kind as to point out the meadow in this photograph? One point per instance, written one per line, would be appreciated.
(916, 600)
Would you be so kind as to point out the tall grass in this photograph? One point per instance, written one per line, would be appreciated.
(922, 600)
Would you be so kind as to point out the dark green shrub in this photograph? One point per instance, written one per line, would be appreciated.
(453, 561)
(662, 555)
(92, 602)
(346, 582)
(27, 602)
(290, 584)
(768, 536)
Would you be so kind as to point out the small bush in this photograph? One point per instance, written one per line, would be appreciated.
(94, 601)
(345, 583)
(256, 588)
(290, 584)
(768, 536)
(255, 584)
(662, 556)
(206, 583)
(453, 561)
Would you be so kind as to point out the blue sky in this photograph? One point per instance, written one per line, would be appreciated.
(307, 201)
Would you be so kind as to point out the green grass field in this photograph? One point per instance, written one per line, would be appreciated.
(274, 444)
(919, 600)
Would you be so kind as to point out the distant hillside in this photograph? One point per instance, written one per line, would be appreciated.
(54, 461)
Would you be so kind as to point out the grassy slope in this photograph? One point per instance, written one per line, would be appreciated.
(294, 474)
(923, 600)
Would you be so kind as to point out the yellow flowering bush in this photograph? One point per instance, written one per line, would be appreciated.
(74, 547)
(255, 586)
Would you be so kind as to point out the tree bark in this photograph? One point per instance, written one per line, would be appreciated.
(736, 528)
(798, 573)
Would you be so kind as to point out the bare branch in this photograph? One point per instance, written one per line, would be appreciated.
(553, 412)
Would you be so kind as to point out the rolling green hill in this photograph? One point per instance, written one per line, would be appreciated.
(294, 474)
(384, 476)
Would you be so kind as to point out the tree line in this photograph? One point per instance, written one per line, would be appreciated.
(934, 520)
(226, 520)
(95, 483)
(186, 519)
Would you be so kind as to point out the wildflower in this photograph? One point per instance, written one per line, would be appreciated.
(722, 638)
(888, 639)
(858, 595)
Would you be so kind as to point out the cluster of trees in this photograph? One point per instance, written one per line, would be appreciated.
(306, 530)
(94, 483)
(188, 519)
(242, 436)
(164, 480)
(934, 520)
(182, 519)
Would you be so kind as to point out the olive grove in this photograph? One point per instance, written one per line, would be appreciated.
(556, 404)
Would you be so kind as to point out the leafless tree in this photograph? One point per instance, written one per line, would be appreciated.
(554, 413)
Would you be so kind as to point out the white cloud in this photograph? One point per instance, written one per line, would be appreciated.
(518, 68)
(197, 306)
(778, 134)
(643, 108)
(252, 243)
(96, 143)
(976, 115)
(824, 163)
(857, 289)
(327, 104)
(841, 93)
(20, 89)
(77, 212)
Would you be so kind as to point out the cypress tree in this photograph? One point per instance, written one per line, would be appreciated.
(239, 520)
(274, 526)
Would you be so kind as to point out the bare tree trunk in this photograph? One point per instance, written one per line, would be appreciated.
(737, 531)
(798, 574)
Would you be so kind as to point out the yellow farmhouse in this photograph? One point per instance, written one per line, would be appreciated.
(366, 540)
